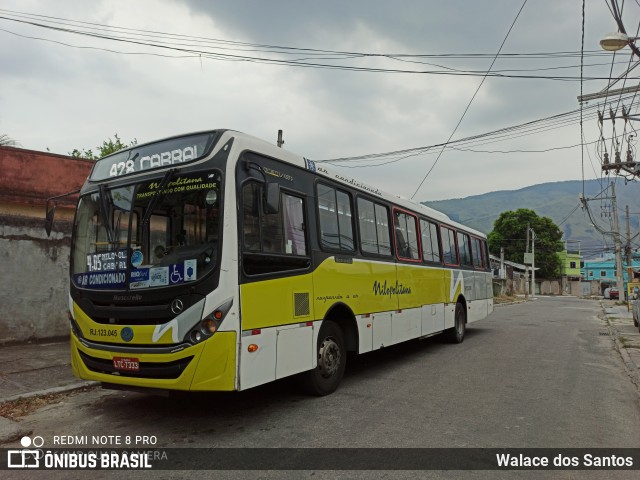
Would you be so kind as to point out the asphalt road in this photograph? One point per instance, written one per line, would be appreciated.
(543, 374)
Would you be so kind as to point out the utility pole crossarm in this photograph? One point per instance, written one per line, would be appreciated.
(608, 93)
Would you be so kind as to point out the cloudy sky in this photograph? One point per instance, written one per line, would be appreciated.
(341, 78)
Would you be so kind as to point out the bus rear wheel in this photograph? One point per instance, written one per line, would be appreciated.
(456, 334)
(332, 360)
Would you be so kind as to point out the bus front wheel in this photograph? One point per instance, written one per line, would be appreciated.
(332, 359)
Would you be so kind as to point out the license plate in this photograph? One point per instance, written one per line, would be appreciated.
(126, 363)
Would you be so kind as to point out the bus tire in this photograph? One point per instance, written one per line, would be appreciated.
(332, 360)
(457, 332)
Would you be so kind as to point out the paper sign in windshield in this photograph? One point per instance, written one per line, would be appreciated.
(107, 261)
(158, 276)
(139, 278)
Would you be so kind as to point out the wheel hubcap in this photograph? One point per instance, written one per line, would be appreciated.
(329, 357)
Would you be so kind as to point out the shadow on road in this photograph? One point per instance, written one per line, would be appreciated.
(227, 410)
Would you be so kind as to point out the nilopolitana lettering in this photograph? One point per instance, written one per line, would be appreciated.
(389, 290)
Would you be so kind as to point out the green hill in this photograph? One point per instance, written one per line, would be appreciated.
(557, 200)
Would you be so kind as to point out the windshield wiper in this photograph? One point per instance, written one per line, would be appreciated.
(104, 210)
(116, 233)
(156, 196)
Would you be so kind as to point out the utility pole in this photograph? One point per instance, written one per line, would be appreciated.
(616, 239)
(627, 248)
(615, 233)
(503, 276)
(533, 262)
(627, 251)
(526, 270)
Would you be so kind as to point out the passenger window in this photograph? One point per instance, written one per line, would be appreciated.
(373, 221)
(476, 252)
(463, 249)
(449, 250)
(406, 236)
(430, 247)
(334, 212)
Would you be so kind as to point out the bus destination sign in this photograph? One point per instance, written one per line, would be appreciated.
(152, 156)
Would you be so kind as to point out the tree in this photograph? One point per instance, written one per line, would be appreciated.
(6, 141)
(108, 147)
(510, 232)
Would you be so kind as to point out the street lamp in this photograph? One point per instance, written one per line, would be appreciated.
(613, 42)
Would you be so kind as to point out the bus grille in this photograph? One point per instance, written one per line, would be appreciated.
(164, 370)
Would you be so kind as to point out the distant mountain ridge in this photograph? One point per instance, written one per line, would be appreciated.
(557, 200)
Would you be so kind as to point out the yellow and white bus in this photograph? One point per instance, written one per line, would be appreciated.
(217, 261)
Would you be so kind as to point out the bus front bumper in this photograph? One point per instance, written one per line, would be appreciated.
(207, 366)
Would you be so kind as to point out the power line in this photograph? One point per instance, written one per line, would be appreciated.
(192, 46)
(527, 128)
(470, 101)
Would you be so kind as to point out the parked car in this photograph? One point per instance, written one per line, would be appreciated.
(611, 293)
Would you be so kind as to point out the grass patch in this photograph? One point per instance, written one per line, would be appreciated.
(24, 406)
(505, 299)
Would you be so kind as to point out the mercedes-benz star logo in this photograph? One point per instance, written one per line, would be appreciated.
(177, 306)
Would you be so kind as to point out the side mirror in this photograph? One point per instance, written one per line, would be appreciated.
(50, 212)
(272, 197)
(48, 220)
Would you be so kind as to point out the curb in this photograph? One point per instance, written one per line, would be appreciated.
(49, 391)
(11, 431)
(632, 369)
(517, 302)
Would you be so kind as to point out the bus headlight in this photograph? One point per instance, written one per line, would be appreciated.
(209, 324)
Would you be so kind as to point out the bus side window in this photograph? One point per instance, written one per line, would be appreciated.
(485, 254)
(449, 250)
(334, 212)
(463, 249)
(251, 217)
(373, 220)
(294, 232)
(430, 247)
(406, 236)
(476, 252)
(272, 242)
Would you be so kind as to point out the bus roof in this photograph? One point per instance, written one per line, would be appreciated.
(245, 141)
(251, 142)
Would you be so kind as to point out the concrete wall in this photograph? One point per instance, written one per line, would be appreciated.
(34, 281)
(549, 287)
(565, 286)
(34, 275)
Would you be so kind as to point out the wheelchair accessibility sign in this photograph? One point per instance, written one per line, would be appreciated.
(176, 274)
(183, 272)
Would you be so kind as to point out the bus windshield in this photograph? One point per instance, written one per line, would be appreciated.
(158, 233)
